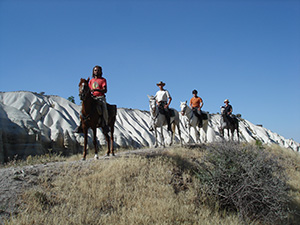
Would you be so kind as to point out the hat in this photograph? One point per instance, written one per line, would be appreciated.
(226, 100)
(161, 83)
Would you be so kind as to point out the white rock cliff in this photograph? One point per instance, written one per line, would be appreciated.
(32, 124)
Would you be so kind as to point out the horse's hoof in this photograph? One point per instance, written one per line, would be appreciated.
(83, 159)
(96, 157)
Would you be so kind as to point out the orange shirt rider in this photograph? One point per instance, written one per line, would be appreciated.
(195, 102)
(97, 84)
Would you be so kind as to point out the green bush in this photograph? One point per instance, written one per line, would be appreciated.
(246, 179)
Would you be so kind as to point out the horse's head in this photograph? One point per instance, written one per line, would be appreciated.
(84, 89)
(152, 104)
(222, 110)
(183, 107)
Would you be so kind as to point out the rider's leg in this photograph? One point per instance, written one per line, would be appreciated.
(167, 114)
(105, 112)
(196, 112)
(78, 129)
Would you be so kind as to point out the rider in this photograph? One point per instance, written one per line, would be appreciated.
(196, 104)
(98, 87)
(228, 111)
(163, 100)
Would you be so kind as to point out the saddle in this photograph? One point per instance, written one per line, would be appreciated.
(203, 114)
(162, 110)
(112, 112)
(171, 112)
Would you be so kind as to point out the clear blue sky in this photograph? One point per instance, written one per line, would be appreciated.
(243, 50)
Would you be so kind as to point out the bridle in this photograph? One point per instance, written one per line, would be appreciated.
(153, 108)
(84, 90)
(183, 110)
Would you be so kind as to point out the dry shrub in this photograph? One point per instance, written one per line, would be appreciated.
(246, 179)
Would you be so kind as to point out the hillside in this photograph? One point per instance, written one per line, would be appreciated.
(32, 123)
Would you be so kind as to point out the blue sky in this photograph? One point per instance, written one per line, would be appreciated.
(246, 51)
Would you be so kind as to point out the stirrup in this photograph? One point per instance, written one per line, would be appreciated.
(78, 130)
(105, 129)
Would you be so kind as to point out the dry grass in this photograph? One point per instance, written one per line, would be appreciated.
(291, 162)
(33, 160)
(159, 189)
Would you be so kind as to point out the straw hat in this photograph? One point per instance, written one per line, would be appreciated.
(226, 100)
(161, 83)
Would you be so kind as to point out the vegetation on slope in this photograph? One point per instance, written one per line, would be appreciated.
(224, 183)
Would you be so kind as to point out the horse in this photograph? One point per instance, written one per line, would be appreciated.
(192, 121)
(90, 119)
(159, 120)
(229, 125)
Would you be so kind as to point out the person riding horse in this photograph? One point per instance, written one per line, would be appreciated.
(163, 100)
(228, 112)
(98, 87)
(228, 120)
(196, 104)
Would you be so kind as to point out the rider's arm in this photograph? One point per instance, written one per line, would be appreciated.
(169, 102)
(201, 105)
(103, 90)
(230, 110)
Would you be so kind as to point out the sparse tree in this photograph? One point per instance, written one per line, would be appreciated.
(71, 99)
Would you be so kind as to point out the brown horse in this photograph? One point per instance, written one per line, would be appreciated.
(90, 119)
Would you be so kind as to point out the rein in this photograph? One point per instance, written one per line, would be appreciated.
(187, 114)
(154, 113)
(84, 93)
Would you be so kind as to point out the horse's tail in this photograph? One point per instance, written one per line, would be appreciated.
(173, 127)
(112, 109)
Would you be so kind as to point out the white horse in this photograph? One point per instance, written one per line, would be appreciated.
(192, 121)
(159, 120)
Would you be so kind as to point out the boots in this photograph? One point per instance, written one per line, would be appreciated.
(169, 123)
(78, 129)
(103, 125)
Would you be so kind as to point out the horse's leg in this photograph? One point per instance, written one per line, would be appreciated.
(108, 143)
(179, 133)
(112, 149)
(189, 132)
(173, 133)
(197, 134)
(155, 132)
(220, 131)
(205, 126)
(95, 142)
(162, 136)
(85, 132)
(228, 133)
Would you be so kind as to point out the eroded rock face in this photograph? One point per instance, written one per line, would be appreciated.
(32, 124)
(19, 134)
